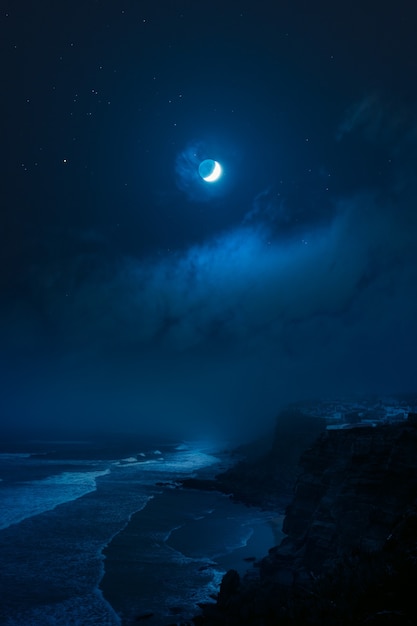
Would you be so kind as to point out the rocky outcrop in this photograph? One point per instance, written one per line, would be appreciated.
(354, 486)
(350, 554)
(266, 474)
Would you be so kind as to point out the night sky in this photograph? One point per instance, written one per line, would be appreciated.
(136, 296)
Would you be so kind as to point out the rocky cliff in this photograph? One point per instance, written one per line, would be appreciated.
(350, 554)
(266, 474)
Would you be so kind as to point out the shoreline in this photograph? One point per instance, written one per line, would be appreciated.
(172, 554)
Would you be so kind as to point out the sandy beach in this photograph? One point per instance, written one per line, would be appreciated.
(173, 554)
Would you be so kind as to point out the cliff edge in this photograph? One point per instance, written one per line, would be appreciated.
(350, 554)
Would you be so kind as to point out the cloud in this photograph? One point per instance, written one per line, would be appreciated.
(268, 209)
(254, 316)
(221, 334)
(247, 290)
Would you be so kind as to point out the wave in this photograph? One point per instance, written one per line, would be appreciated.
(188, 461)
(90, 610)
(24, 500)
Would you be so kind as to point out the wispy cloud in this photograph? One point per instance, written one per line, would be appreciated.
(248, 288)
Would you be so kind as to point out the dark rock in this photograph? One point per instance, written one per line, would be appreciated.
(144, 615)
(268, 480)
(229, 588)
(350, 554)
(412, 419)
(201, 484)
(176, 610)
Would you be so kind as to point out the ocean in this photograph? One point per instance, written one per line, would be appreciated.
(100, 534)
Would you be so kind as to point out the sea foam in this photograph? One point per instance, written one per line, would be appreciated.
(31, 498)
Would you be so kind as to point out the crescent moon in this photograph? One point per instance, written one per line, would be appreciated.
(217, 170)
(210, 170)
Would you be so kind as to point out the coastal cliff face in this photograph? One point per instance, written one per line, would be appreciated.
(350, 555)
(355, 485)
(267, 480)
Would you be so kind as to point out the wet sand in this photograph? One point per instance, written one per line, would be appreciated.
(174, 552)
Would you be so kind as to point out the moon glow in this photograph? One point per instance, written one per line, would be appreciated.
(210, 170)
